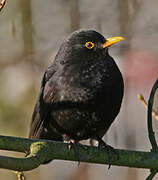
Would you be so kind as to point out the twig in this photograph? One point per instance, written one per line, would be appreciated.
(20, 175)
(152, 174)
(2, 3)
(151, 133)
(143, 101)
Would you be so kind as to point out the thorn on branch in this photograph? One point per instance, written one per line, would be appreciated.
(143, 101)
(2, 3)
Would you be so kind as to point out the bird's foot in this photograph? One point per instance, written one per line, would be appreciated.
(103, 146)
(75, 144)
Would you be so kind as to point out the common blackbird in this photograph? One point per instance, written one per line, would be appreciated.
(81, 91)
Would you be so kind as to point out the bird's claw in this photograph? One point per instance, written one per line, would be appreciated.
(75, 144)
(109, 149)
(70, 143)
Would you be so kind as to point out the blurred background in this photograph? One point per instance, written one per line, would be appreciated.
(30, 35)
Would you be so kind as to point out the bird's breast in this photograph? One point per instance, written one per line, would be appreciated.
(81, 83)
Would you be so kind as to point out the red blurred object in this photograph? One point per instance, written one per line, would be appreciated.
(140, 69)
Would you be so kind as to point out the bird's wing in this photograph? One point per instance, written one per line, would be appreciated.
(36, 123)
(41, 116)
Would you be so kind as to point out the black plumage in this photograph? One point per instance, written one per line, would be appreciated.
(81, 92)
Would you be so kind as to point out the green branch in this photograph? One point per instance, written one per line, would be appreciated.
(151, 133)
(44, 150)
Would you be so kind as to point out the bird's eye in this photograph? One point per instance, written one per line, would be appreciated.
(89, 45)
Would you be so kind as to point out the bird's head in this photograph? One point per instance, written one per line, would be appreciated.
(85, 43)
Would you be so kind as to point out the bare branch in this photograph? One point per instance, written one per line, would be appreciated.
(20, 175)
(143, 101)
(2, 3)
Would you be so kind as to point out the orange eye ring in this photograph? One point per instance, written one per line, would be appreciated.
(89, 45)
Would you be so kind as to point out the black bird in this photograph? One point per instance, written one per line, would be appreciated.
(81, 92)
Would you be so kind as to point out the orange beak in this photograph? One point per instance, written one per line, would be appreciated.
(111, 41)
